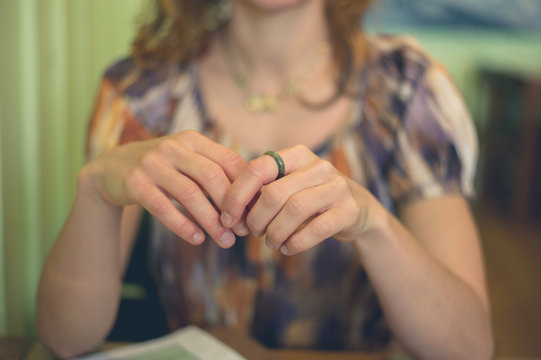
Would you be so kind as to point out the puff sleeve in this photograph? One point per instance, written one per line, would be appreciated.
(435, 149)
(115, 120)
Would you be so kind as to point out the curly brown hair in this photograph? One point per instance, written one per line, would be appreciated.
(179, 30)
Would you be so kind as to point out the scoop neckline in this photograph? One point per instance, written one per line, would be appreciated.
(347, 125)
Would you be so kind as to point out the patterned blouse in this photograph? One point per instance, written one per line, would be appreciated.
(410, 137)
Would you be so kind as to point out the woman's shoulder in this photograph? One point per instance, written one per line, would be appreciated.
(136, 103)
(391, 43)
(133, 81)
(397, 47)
(395, 69)
(398, 59)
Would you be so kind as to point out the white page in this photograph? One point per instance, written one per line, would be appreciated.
(189, 343)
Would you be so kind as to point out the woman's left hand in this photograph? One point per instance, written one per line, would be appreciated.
(313, 201)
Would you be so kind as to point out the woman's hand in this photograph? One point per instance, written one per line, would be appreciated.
(312, 202)
(186, 167)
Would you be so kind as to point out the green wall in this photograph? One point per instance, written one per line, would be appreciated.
(53, 55)
(465, 52)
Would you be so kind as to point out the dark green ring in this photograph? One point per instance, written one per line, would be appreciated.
(279, 162)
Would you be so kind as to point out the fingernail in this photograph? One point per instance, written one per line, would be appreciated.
(226, 219)
(269, 244)
(227, 239)
(198, 238)
(284, 250)
(241, 229)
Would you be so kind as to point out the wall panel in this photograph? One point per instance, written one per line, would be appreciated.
(53, 55)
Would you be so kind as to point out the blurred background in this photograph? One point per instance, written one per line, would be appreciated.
(52, 56)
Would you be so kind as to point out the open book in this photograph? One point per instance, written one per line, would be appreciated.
(189, 343)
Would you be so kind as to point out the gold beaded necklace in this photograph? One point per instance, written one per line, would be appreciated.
(257, 102)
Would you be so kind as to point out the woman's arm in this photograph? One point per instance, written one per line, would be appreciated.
(430, 279)
(81, 281)
(80, 284)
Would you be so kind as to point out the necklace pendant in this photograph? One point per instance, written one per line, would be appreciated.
(255, 104)
(262, 103)
(271, 102)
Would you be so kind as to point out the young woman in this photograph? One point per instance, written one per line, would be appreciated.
(356, 227)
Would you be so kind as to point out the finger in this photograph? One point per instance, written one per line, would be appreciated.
(240, 228)
(275, 195)
(259, 172)
(159, 205)
(189, 195)
(318, 229)
(231, 162)
(299, 208)
(205, 172)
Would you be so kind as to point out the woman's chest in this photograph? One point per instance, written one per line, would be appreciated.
(292, 124)
(291, 121)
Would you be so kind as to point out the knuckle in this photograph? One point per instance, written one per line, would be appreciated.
(351, 206)
(271, 195)
(159, 206)
(255, 229)
(187, 136)
(321, 229)
(254, 168)
(339, 184)
(213, 226)
(352, 213)
(253, 226)
(134, 181)
(212, 174)
(150, 160)
(167, 146)
(182, 228)
(233, 204)
(296, 204)
(301, 148)
(273, 235)
(233, 160)
(188, 191)
(326, 167)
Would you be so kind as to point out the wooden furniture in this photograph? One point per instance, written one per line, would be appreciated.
(510, 140)
(32, 349)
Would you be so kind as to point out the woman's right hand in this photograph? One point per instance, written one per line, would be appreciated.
(184, 167)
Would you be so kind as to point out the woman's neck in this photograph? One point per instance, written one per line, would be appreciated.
(269, 44)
